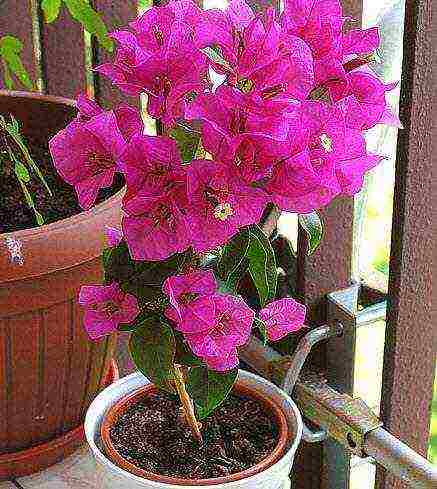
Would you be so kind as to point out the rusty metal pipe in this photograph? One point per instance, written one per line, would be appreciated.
(400, 459)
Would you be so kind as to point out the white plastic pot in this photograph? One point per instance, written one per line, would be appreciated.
(112, 477)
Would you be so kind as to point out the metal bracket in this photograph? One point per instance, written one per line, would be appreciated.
(345, 419)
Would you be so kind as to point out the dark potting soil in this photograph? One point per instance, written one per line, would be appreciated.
(14, 212)
(237, 436)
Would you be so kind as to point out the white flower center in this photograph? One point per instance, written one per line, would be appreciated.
(326, 142)
(223, 211)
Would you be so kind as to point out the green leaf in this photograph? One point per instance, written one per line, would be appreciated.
(152, 347)
(312, 224)
(10, 50)
(184, 355)
(209, 389)
(250, 250)
(138, 322)
(9, 83)
(261, 326)
(262, 265)
(39, 217)
(51, 9)
(233, 261)
(187, 140)
(144, 279)
(22, 172)
(92, 22)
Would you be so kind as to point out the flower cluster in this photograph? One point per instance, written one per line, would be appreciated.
(275, 109)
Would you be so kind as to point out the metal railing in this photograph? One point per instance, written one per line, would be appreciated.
(340, 417)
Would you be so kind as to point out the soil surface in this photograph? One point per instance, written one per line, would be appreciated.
(14, 212)
(238, 435)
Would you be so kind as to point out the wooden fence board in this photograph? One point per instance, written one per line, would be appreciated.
(329, 269)
(63, 56)
(411, 333)
(18, 22)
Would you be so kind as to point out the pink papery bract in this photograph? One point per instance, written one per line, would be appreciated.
(156, 227)
(113, 236)
(160, 59)
(128, 118)
(282, 317)
(215, 326)
(151, 164)
(106, 306)
(219, 204)
(86, 155)
(182, 290)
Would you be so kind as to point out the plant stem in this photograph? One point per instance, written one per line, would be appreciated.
(187, 404)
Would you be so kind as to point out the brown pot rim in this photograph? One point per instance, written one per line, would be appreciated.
(41, 236)
(116, 410)
(40, 97)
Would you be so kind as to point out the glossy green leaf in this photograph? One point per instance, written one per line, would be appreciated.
(9, 83)
(51, 9)
(22, 172)
(233, 262)
(209, 388)
(312, 224)
(10, 50)
(91, 20)
(184, 355)
(261, 326)
(262, 265)
(187, 140)
(142, 278)
(152, 347)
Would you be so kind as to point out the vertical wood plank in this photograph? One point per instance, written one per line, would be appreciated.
(411, 335)
(63, 56)
(16, 20)
(116, 15)
(327, 270)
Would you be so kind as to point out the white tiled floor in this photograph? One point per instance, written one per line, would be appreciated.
(7, 485)
(76, 472)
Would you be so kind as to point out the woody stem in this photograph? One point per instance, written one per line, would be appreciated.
(187, 404)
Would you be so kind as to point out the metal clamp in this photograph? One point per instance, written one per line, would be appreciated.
(345, 419)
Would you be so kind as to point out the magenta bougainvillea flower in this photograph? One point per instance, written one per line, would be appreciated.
(86, 155)
(128, 118)
(106, 306)
(219, 204)
(214, 326)
(329, 160)
(160, 59)
(156, 227)
(151, 164)
(364, 101)
(282, 317)
(182, 290)
(260, 58)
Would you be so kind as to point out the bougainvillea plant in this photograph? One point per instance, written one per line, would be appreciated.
(256, 109)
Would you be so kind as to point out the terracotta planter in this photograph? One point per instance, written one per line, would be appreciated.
(115, 472)
(49, 370)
